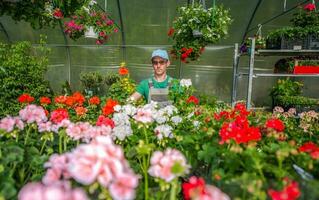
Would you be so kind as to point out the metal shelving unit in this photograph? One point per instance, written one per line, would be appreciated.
(251, 74)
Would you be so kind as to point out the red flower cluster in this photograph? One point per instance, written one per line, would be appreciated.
(95, 100)
(170, 32)
(289, 192)
(77, 99)
(25, 98)
(58, 115)
(194, 188)
(109, 107)
(193, 99)
(311, 148)
(310, 7)
(57, 13)
(276, 124)
(239, 130)
(45, 100)
(123, 71)
(101, 120)
(185, 53)
(80, 110)
(239, 110)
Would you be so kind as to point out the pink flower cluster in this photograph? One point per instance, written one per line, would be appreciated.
(8, 123)
(86, 132)
(144, 116)
(56, 191)
(32, 113)
(162, 164)
(73, 29)
(58, 115)
(100, 161)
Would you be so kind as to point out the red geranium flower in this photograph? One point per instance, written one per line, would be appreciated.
(25, 98)
(276, 124)
(45, 100)
(310, 7)
(80, 111)
(78, 98)
(58, 115)
(192, 99)
(123, 71)
(170, 32)
(194, 188)
(109, 107)
(95, 100)
(57, 13)
(101, 120)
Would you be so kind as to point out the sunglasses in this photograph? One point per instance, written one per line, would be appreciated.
(161, 62)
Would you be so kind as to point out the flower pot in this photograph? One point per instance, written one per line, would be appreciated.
(90, 33)
(306, 70)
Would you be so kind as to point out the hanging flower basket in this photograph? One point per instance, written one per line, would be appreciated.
(91, 23)
(197, 27)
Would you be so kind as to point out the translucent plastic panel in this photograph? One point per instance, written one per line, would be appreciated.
(58, 69)
(88, 58)
(22, 31)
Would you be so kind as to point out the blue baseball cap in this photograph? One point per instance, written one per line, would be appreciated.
(160, 53)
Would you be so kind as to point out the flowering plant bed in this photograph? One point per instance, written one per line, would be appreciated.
(95, 147)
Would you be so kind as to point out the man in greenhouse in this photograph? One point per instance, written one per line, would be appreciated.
(156, 88)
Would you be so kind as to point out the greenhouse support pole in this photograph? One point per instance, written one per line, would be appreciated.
(235, 71)
(5, 32)
(122, 31)
(67, 52)
(250, 75)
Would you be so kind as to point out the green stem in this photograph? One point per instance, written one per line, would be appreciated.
(172, 195)
(60, 143)
(65, 143)
(145, 167)
(145, 134)
(43, 145)
(27, 136)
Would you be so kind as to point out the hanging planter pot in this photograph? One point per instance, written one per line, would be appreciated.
(90, 33)
(197, 33)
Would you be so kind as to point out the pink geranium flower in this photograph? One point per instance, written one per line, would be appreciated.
(163, 162)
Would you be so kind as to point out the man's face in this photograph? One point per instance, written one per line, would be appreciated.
(160, 65)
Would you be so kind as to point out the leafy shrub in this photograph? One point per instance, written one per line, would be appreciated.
(22, 71)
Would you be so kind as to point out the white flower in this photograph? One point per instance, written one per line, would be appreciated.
(169, 110)
(196, 123)
(163, 130)
(186, 82)
(176, 119)
(121, 132)
(121, 119)
(190, 115)
(160, 117)
(117, 108)
(129, 109)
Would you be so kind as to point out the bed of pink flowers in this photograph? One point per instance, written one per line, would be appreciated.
(73, 147)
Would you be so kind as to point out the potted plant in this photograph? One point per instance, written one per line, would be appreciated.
(197, 27)
(90, 21)
(301, 35)
(287, 93)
